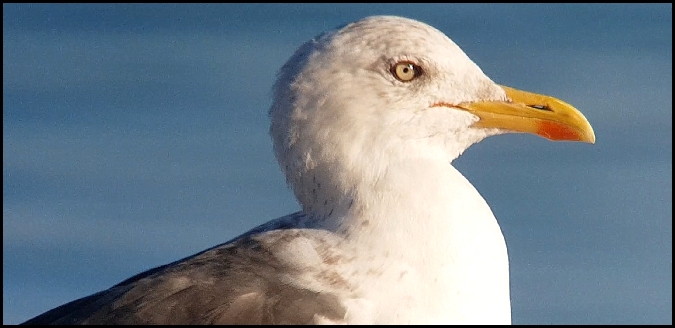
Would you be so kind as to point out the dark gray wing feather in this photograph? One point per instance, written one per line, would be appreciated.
(216, 286)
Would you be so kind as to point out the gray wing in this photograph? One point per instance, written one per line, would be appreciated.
(240, 282)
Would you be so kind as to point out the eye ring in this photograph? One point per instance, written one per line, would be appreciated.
(405, 71)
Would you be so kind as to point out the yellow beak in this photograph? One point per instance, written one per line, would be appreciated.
(533, 113)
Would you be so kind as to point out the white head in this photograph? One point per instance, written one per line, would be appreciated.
(343, 110)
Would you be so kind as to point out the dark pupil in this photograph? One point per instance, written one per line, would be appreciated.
(406, 69)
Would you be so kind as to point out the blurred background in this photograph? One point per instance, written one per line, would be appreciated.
(135, 135)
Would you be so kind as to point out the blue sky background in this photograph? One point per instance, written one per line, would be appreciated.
(135, 135)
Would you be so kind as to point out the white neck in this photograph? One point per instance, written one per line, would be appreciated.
(427, 223)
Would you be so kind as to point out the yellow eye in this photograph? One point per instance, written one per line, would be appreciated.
(406, 71)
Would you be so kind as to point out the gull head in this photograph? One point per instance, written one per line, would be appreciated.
(384, 90)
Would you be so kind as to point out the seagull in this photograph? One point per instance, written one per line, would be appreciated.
(365, 122)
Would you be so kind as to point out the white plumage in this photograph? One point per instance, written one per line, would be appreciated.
(370, 158)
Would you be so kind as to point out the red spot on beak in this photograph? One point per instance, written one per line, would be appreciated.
(557, 131)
